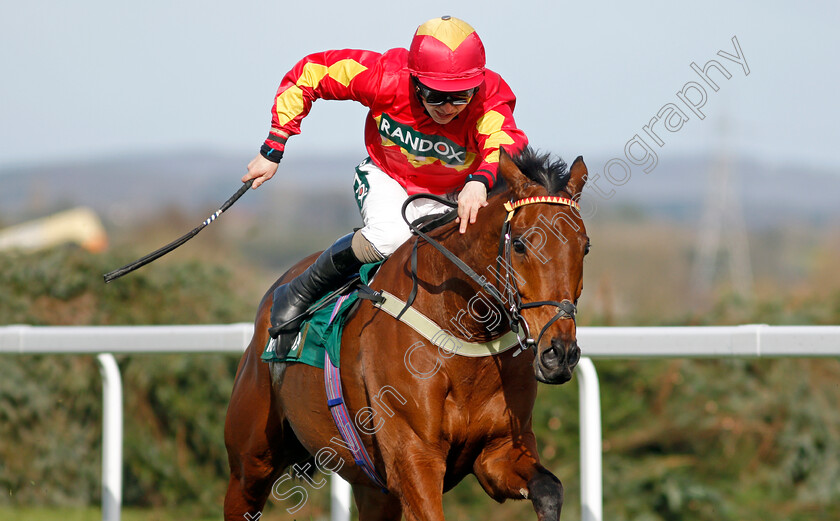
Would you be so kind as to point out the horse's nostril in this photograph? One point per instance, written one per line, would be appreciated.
(552, 357)
(574, 355)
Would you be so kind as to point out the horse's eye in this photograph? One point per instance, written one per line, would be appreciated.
(518, 246)
(586, 250)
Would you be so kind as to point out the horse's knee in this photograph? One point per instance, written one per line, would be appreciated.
(546, 494)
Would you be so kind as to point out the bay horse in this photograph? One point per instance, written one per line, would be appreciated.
(428, 423)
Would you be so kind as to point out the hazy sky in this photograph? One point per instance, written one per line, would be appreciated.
(83, 79)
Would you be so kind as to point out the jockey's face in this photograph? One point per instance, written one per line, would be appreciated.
(443, 107)
(443, 114)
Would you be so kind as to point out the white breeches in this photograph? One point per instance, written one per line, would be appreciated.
(380, 200)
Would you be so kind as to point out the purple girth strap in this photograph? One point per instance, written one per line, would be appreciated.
(335, 401)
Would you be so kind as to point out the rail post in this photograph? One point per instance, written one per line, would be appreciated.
(339, 499)
(112, 437)
(591, 481)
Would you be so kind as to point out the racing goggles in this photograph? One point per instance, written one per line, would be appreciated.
(436, 98)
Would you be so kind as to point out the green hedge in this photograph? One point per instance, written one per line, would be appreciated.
(50, 406)
(697, 440)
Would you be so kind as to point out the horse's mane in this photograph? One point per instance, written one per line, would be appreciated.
(553, 174)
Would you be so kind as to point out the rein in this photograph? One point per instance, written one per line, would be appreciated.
(565, 308)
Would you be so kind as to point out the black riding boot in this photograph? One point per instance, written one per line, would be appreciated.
(292, 299)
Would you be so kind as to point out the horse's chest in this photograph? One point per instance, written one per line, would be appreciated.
(471, 424)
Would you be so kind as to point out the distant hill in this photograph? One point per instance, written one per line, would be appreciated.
(768, 194)
(132, 187)
(127, 188)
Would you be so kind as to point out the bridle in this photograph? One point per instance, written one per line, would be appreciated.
(512, 305)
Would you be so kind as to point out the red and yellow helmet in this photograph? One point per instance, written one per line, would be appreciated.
(447, 55)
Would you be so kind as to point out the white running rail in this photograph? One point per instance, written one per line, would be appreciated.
(597, 342)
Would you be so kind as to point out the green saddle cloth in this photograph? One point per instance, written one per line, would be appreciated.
(319, 333)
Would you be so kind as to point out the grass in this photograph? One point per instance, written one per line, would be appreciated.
(95, 514)
(273, 512)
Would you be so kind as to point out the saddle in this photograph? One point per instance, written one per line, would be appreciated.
(321, 331)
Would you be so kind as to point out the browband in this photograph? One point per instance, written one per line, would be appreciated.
(512, 206)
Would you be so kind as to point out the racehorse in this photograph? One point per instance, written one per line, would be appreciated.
(430, 417)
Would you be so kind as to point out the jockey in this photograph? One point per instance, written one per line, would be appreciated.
(437, 119)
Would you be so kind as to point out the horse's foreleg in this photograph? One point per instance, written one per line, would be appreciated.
(512, 471)
(546, 494)
(417, 477)
(373, 505)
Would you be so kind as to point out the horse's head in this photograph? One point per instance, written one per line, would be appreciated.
(546, 245)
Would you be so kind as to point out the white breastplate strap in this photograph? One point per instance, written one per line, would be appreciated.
(440, 336)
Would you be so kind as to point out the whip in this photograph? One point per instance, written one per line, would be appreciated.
(128, 268)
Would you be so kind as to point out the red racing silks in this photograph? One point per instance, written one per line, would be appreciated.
(400, 136)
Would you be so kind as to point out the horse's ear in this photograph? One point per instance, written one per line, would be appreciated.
(577, 177)
(510, 172)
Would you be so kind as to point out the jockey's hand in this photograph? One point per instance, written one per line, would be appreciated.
(260, 170)
(472, 197)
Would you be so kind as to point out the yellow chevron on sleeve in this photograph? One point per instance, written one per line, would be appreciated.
(493, 157)
(312, 75)
(343, 71)
(498, 139)
(289, 104)
(490, 125)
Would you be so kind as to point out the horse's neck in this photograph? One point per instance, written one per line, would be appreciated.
(446, 295)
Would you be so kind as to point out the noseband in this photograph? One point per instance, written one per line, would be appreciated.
(566, 309)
